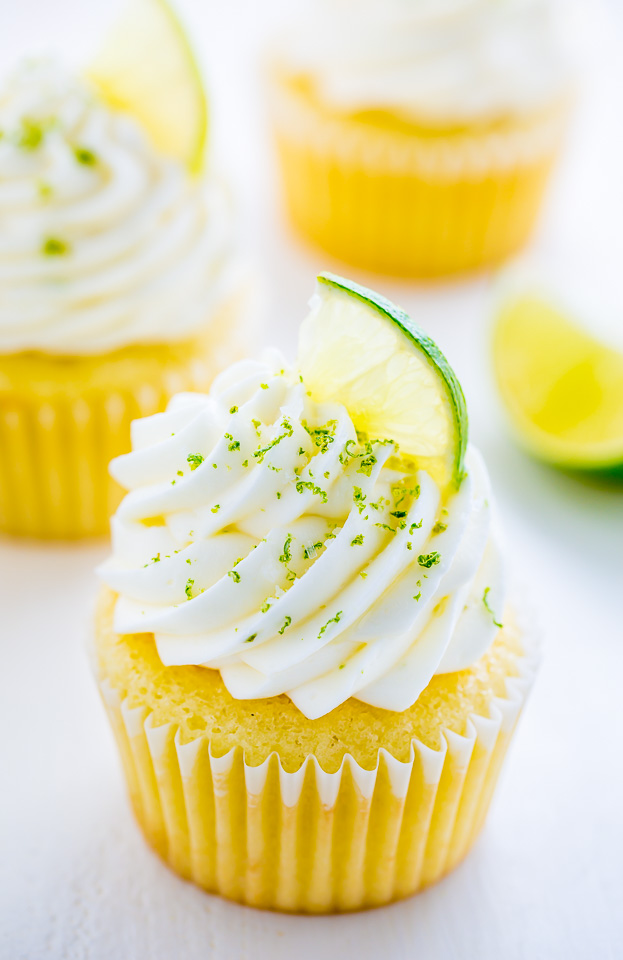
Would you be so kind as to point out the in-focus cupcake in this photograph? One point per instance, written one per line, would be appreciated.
(416, 136)
(299, 642)
(118, 288)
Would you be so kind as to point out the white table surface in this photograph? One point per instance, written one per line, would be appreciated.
(545, 880)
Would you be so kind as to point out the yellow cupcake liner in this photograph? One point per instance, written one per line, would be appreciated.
(63, 419)
(311, 841)
(402, 201)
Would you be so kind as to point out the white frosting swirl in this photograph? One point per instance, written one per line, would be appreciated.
(439, 61)
(260, 539)
(104, 241)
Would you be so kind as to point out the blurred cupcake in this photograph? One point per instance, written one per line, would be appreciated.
(416, 138)
(299, 643)
(118, 288)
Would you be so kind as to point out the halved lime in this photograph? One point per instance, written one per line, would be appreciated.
(147, 67)
(357, 348)
(562, 388)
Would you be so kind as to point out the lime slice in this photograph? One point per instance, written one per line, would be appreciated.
(357, 348)
(563, 389)
(146, 66)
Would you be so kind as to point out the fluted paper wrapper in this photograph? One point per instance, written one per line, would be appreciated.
(410, 203)
(56, 443)
(311, 841)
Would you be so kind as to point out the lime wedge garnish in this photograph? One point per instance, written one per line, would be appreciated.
(359, 349)
(146, 66)
(562, 388)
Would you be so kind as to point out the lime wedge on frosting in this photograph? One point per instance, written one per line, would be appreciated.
(563, 389)
(357, 348)
(146, 66)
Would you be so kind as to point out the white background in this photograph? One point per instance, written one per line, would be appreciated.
(545, 880)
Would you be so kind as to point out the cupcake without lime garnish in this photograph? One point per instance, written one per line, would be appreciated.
(417, 138)
(120, 286)
(303, 642)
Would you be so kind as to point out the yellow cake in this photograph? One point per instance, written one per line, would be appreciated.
(298, 642)
(190, 750)
(407, 145)
(120, 287)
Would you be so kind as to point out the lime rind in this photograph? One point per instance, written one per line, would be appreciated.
(149, 43)
(429, 351)
(196, 160)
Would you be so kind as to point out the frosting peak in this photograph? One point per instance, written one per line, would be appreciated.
(105, 242)
(261, 537)
(438, 61)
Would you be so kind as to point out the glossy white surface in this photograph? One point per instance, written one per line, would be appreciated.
(545, 881)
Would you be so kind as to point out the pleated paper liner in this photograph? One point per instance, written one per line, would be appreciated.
(408, 203)
(311, 841)
(63, 419)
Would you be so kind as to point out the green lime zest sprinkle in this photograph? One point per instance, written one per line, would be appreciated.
(357, 541)
(363, 574)
(429, 560)
(286, 556)
(261, 453)
(264, 386)
(233, 409)
(286, 624)
(188, 589)
(31, 135)
(155, 559)
(85, 156)
(265, 607)
(440, 527)
(335, 619)
(417, 596)
(398, 514)
(366, 465)
(489, 609)
(322, 437)
(234, 575)
(416, 526)
(55, 247)
(195, 460)
(316, 490)
(251, 638)
(385, 526)
(215, 508)
(234, 445)
(359, 499)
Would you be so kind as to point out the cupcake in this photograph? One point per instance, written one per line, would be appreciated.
(302, 641)
(416, 138)
(119, 289)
